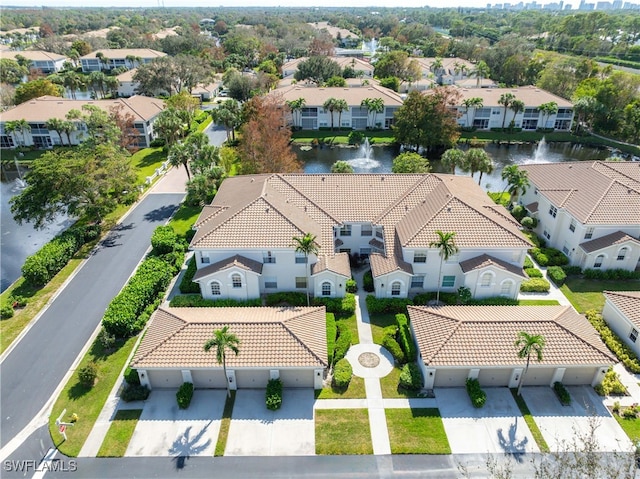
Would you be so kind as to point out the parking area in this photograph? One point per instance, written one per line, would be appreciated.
(562, 426)
(498, 427)
(256, 431)
(166, 430)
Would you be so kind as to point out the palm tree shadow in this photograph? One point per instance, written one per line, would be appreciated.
(511, 444)
(186, 445)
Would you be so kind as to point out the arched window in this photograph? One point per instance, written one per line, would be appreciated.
(622, 254)
(485, 279)
(506, 288)
(236, 280)
(395, 288)
(326, 288)
(598, 261)
(215, 288)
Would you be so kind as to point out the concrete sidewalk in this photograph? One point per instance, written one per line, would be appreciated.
(553, 294)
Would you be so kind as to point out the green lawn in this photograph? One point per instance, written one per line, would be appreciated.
(355, 390)
(630, 426)
(416, 431)
(146, 161)
(378, 323)
(390, 386)
(538, 302)
(342, 137)
(224, 425)
(353, 327)
(586, 294)
(184, 218)
(87, 402)
(528, 418)
(343, 431)
(119, 434)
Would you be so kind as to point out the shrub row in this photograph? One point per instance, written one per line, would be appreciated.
(535, 285)
(611, 274)
(342, 374)
(411, 377)
(613, 342)
(447, 298)
(273, 397)
(332, 332)
(339, 306)
(549, 256)
(390, 343)
(494, 301)
(535, 239)
(528, 263)
(187, 286)
(533, 272)
(291, 298)
(611, 385)
(131, 377)
(124, 316)
(571, 270)
(163, 240)
(351, 286)
(343, 343)
(557, 275)
(135, 392)
(40, 267)
(367, 282)
(184, 395)
(476, 394)
(405, 339)
(562, 393)
(387, 305)
(197, 301)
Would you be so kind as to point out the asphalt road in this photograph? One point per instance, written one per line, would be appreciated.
(33, 370)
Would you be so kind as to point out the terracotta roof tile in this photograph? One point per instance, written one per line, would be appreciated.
(628, 302)
(530, 95)
(112, 53)
(236, 260)
(338, 263)
(485, 335)
(269, 337)
(617, 238)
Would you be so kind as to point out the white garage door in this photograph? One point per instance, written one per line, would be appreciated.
(450, 378)
(207, 378)
(252, 378)
(538, 376)
(494, 377)
(579, 375)
(296, 378)
(166, 378)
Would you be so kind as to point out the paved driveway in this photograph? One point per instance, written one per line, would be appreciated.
(561, 425)
(166, 430)
(498, 427)
(256, 431)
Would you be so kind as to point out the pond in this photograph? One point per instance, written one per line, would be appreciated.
(378, 159)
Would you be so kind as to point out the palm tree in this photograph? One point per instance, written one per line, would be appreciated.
(67, 127)
(18, 126)
(528, 343)
(476, 159)
(469, 103)
(221, 341)
(517, 181)
(296, 108)
(505, 100)
(451, 158)
(306, 245)
(517, 106)
(547, 109)
(55, 124)
(340, 106)
(373, 106)
(480, 71)
(229, 115)
(330, 105)
(448, 248)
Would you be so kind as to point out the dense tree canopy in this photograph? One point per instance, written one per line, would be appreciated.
(317, 69)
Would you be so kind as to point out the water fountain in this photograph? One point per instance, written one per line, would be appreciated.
(364, 161)
(542, 152)
(20, 184)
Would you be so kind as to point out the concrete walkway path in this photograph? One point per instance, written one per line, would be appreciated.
(554, 291)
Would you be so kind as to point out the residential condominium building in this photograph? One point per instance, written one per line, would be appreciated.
(362, 68)
(450, 71)
(46, 62)
(108, 59)
(38, 111)
(590, 210)
(493, 115)
(244, 243)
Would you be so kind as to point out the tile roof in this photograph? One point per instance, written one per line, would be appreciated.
(530, 95)
(617, 238)
(628, 302)
(236, 260)
(316, 96)
(448, 63)
(485, 260)
(594, 192)
(269, 337)
(44, 108)
(334, 31)
(355, 63)
(34, 55)
(477, 336)
(112, 53)
(338, 264)
(260, 211)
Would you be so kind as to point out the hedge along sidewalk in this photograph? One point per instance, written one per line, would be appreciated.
(554, 292)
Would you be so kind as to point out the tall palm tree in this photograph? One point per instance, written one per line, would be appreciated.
(547, 109)
(306, 245)
(451, 158)
(476, 159)
(296, 108)
(221, 341)
(447, 246)
(505, 100)
(517, 106)
(528, 344)
(330, 106)
(55, 124)
(18, 126)
(373, 106)
(340, 106)
(480, 71)
(517, 181)
(469, 103)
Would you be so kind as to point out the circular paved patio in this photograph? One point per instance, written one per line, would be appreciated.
(370, 360)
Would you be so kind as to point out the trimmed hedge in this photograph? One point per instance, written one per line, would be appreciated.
(611, 274)
(387, 305)
(187, 286)
(549, 256)
(533, 272)
(131, 377)
(476, 394)
(193, 301)
(332, 333)
(367, 281)
(163, 240)
(411, 377)
(557, 275)
(6, 311)
(124, 316)
(342, 374)
(611, 385)
(339, 306)
(184, 395)
(343, 343)
(528, 263)
(394, 348)
(494, 301)
(572, 270)
(273, 398)
(405, 339)
(535, 285)
(613, 342)
(291, 298)
(562, 393)
(351, 286)
(447, 298)
(135, 392)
